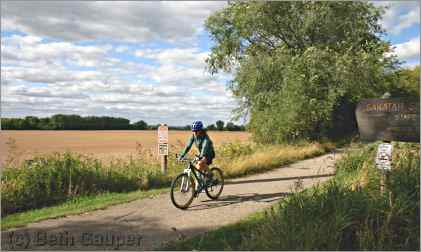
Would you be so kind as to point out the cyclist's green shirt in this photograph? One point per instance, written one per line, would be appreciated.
(203, 144)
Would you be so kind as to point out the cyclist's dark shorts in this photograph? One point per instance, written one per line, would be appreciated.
(208, 161)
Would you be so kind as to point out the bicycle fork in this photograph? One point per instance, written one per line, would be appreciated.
(184, 185)
(185, 181)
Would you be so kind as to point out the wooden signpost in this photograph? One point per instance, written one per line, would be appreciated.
(163, 146)
(388, 120)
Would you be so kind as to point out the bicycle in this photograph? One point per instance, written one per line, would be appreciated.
(184, 185)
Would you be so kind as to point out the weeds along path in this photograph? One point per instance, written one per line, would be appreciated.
(148, 223)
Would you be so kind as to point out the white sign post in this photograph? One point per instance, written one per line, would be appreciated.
(163, 146)
(163, 133)
(384, 162)
(384, 156)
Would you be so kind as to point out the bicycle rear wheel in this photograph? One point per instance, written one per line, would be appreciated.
(214, 189)
(182, 191)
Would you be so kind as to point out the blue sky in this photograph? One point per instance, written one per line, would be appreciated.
(138, 60)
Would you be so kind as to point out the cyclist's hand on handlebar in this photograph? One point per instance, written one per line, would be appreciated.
(198, 158)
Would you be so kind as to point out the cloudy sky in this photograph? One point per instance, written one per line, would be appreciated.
(138, 60)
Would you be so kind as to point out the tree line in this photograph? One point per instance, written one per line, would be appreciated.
(76, 122)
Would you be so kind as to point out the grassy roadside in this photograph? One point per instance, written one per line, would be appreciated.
(76, 206)
(49, 179)
(346, 213)
(269, 157)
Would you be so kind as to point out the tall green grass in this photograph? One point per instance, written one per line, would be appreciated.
(54, 178)
(346, 213)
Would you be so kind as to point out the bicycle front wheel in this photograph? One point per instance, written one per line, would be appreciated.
(182, 191)
(214, 189)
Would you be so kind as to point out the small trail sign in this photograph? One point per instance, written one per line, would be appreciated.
(384, 156)
(163, 149)
(163, 133)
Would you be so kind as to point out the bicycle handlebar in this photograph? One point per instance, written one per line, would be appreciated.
(184, 159)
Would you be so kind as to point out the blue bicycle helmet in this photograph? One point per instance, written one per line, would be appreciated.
(196, 126)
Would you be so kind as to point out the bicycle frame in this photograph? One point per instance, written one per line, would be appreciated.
(192, 169)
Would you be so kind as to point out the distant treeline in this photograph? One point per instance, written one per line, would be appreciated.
(76, 122)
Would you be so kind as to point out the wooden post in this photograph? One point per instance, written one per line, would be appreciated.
(385, 173)
(164, 163)
(389, 192)
(163, 146)
(382, 182)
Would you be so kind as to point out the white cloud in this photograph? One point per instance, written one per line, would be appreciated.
(45, 92)
(409, 50)
(112, 87)
(31, 49)
(127, 21)
(45, 74)
(184, 56)
(183, 68)
(408, 19)
(399, 15)
(122, 49)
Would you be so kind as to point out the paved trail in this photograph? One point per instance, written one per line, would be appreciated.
(145, 224)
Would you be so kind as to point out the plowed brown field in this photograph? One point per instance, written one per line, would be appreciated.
(102, 144)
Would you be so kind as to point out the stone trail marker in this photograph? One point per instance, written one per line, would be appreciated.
(388, 120)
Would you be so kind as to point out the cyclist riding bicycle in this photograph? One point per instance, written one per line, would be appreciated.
(197, 176)
(204, 144)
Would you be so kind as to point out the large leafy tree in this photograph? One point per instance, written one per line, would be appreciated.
(407, 83)
(300, 67)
